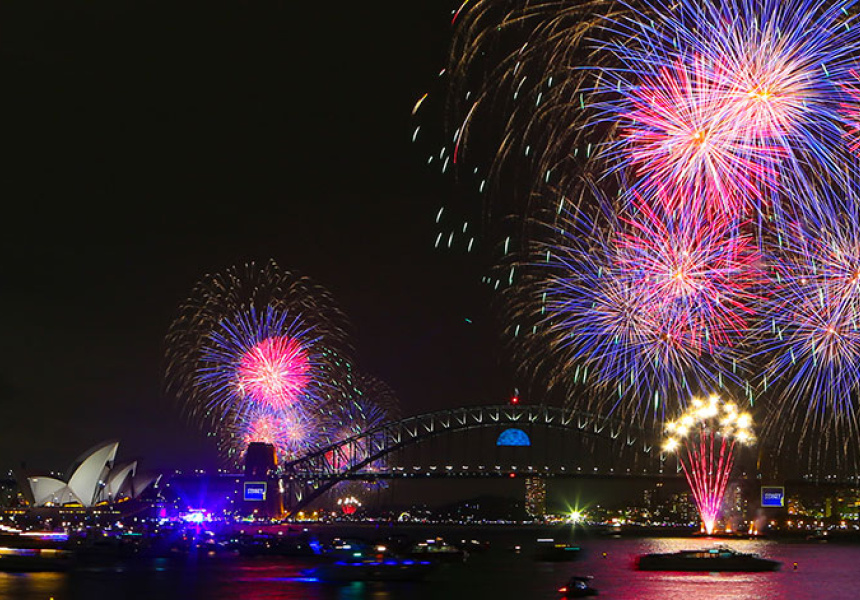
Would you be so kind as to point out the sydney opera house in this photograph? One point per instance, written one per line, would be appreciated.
(94, 479)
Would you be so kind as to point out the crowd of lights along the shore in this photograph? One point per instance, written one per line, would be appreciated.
(704, 438)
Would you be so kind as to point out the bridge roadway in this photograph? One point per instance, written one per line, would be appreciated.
(498, 471)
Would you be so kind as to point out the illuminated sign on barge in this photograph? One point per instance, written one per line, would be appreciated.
(255, 491)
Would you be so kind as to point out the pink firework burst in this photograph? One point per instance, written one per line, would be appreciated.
(698, 278)
(769, 102)
(740, 100)
(683, 134)
(275, 371)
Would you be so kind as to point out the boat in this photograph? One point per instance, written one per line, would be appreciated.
(721, 558)
(550, 550)
(33, 552)
(100, 547)
(387, 569)
(473, 546)
(278, 545)
(437, 549)
(578, 587)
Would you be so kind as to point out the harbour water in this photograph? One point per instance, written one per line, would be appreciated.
(824, 571)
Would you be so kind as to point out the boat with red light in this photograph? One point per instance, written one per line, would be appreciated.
(578, 587)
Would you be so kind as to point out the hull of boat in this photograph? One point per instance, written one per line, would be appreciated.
(707, 565)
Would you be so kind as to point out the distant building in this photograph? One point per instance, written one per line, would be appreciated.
(648, 498)
(682, 507)
(536, 496)
(843, 505)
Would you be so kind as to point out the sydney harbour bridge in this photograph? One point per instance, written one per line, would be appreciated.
(480, 441)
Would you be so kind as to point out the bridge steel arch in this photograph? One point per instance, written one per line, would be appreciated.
(309, 477)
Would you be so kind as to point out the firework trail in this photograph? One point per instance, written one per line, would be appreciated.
(514, 99)
(520, 66)
(707, 433)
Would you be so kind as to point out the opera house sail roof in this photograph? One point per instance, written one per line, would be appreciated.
(94, 478)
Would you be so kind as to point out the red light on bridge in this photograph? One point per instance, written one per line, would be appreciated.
(512, 475)
(515, 399)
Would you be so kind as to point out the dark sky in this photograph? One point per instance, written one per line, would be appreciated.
(146, 143)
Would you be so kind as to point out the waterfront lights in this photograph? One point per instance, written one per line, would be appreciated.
(704, 438)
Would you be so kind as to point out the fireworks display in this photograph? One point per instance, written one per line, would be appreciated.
(738, 100)
(704, 438)
(698, 276)
(677, 184)
(213, 340)
(372, 403)
(261, 355)
(675, 134)
(645, 311)
(291, 432)
(809, 340)
(275, 370)
(738, 103)
(260, 359)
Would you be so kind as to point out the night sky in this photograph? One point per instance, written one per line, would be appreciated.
(146, 143)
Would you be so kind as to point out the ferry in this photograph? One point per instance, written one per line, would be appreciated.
(437, 549)
(710, 560)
